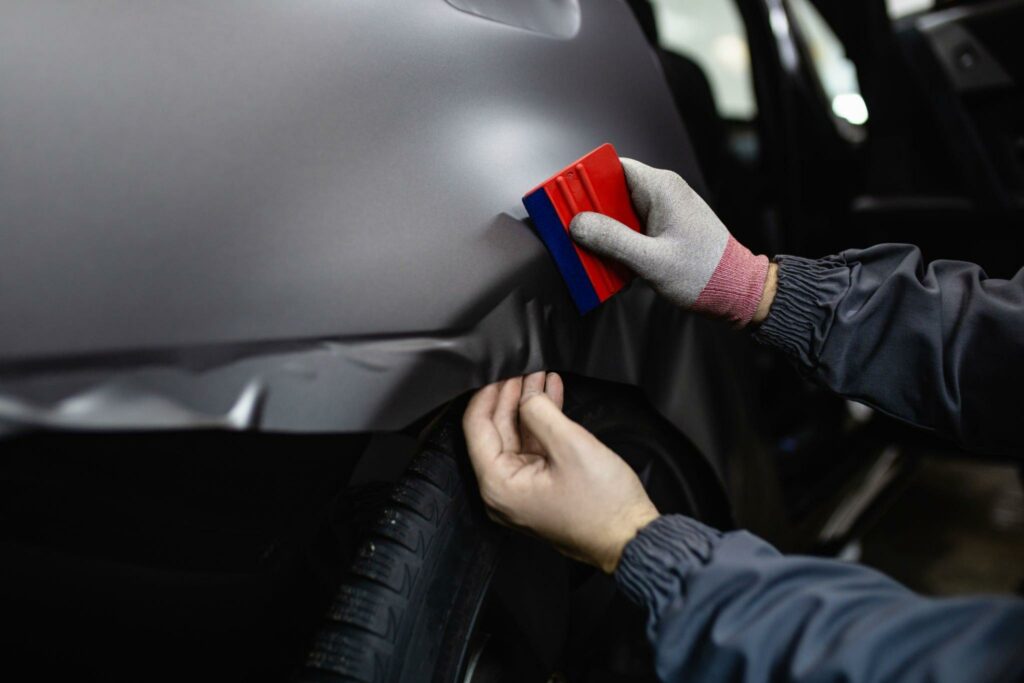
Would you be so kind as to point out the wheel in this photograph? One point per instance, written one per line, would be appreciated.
(437, 592)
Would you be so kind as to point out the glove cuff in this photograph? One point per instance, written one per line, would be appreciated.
(736, 287)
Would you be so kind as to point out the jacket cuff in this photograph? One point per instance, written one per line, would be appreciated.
(662, 553)
(809, 290)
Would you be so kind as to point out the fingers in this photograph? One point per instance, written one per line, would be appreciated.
(506, 414)
(650, 187)
(640, 180)
(554, 389)
(609, 238)
(558, 435)
(533, 384)
(492, 422)
(482, 438)
(543, 383)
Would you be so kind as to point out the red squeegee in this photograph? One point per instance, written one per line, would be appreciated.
(597, 183)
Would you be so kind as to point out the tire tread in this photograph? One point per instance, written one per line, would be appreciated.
(360, 628)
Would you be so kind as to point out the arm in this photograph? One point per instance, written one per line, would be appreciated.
(729, 607)
(941, 347)
(721, 607)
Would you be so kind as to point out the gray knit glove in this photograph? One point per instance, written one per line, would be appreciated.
(687, 255)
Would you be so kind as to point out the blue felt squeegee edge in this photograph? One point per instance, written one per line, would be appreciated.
(558, 242)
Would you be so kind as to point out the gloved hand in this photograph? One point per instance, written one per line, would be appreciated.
(540, 471)
(687, 255)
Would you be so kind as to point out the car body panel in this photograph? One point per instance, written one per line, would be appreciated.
(306, 216)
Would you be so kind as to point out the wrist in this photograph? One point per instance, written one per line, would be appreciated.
(771, 286)
(626, 532)
(736, 286)
(661, 555)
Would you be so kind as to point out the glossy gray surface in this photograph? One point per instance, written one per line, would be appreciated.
(307, 201)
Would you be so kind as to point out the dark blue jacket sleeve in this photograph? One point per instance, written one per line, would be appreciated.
(939, 346)
(729, 607)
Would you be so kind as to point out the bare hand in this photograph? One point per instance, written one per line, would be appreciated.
(541, 472)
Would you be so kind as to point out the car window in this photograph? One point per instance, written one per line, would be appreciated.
(836, 72)
(711, 33)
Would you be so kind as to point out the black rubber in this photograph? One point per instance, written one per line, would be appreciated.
(405, 610)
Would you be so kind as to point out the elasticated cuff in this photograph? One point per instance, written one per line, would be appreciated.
(663, 552)
(805, 303)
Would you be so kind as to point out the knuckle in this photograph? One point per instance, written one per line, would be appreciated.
(527, 395)
(528, 403)
(530, 406)
(674, 180)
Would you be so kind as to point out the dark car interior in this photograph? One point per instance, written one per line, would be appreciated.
(939, 159)
(938, 164)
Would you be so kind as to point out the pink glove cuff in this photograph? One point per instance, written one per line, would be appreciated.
(735, 288)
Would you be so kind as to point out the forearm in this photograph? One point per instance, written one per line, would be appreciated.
(939, 347)
(730, 607)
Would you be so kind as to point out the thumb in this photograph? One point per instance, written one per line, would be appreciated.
(608, 237)
(557, 434)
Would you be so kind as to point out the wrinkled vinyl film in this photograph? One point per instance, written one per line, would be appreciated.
(384, 384)
(305, 217)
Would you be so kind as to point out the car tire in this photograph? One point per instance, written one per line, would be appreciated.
(406, 609)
